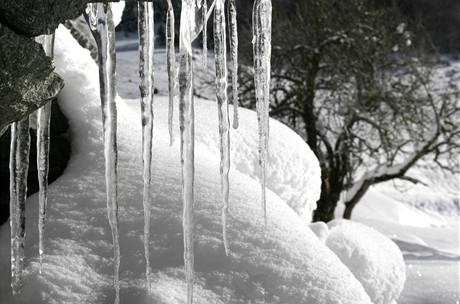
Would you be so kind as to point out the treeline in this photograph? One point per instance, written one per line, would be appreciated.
(438, 20)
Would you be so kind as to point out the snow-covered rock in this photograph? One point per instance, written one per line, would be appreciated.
(373, 258)
(282, 263)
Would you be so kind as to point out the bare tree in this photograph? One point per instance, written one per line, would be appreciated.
(370, 105)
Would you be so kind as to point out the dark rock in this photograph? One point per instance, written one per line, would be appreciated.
(59, 156)
(27, 80)
(36, 17)
(81, 32)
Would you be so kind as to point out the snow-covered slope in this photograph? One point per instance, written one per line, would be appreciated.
(284, 263)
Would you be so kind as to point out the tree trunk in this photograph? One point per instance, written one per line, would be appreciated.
(350, 205)
(330, 195)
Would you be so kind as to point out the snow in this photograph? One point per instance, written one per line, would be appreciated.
(320, 229)
(291, 163)
(284, 263)
(373, 258)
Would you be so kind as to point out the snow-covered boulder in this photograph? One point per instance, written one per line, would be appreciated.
(374, 259)
(282, 263)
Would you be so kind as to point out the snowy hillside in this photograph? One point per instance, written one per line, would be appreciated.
(284, 263)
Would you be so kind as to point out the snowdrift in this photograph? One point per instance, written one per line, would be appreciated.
(375, 260)
(284, 263)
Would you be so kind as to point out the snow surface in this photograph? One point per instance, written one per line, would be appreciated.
(284, 263)
(374, 259)
(320, 229)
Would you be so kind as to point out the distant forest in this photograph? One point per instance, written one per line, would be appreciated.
(439, 20)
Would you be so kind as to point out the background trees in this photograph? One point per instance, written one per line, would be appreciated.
(362, 82)
(347, 77)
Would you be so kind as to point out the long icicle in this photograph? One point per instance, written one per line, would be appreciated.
(146, 74)
(187, 130)
(100, 20)
(204, 17)
(233, 30)
(43, 148)
(220, 46)
(262, 22)
(19, 167)
(171, 64)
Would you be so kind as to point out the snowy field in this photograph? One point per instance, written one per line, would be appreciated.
(285, 264)
(422, 219)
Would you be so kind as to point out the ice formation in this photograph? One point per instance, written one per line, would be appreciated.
(204, 21)
(262, 23)
(187, 133)
(220, 46)
(19, 166)
(194, 16)
(233, 35)
(171, 64)
(43, 147)
(100, 19)
(147, 88)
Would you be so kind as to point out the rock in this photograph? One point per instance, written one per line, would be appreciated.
(27, 78)
(36, 17)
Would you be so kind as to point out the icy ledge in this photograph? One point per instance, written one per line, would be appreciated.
(285, 264)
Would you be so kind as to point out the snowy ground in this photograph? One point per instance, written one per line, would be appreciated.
(423, 220)
(284, 263)
(77, 266)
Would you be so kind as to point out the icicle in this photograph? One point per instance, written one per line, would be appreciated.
(43, 147)
(220, 45)
(171, 63)
(187, 130)
(204, 13)
(262, 19)
(19, 167)
(100, 19)
(146, 74)
(233, 29)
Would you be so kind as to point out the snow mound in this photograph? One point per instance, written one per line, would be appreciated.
(282, 263)
(373, 258)
(320, 229)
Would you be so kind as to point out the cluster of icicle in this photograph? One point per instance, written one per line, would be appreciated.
(19, 167)
(193, 21)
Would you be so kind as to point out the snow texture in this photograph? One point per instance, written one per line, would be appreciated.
(374, 259)
(320, 229)
(284, 263)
